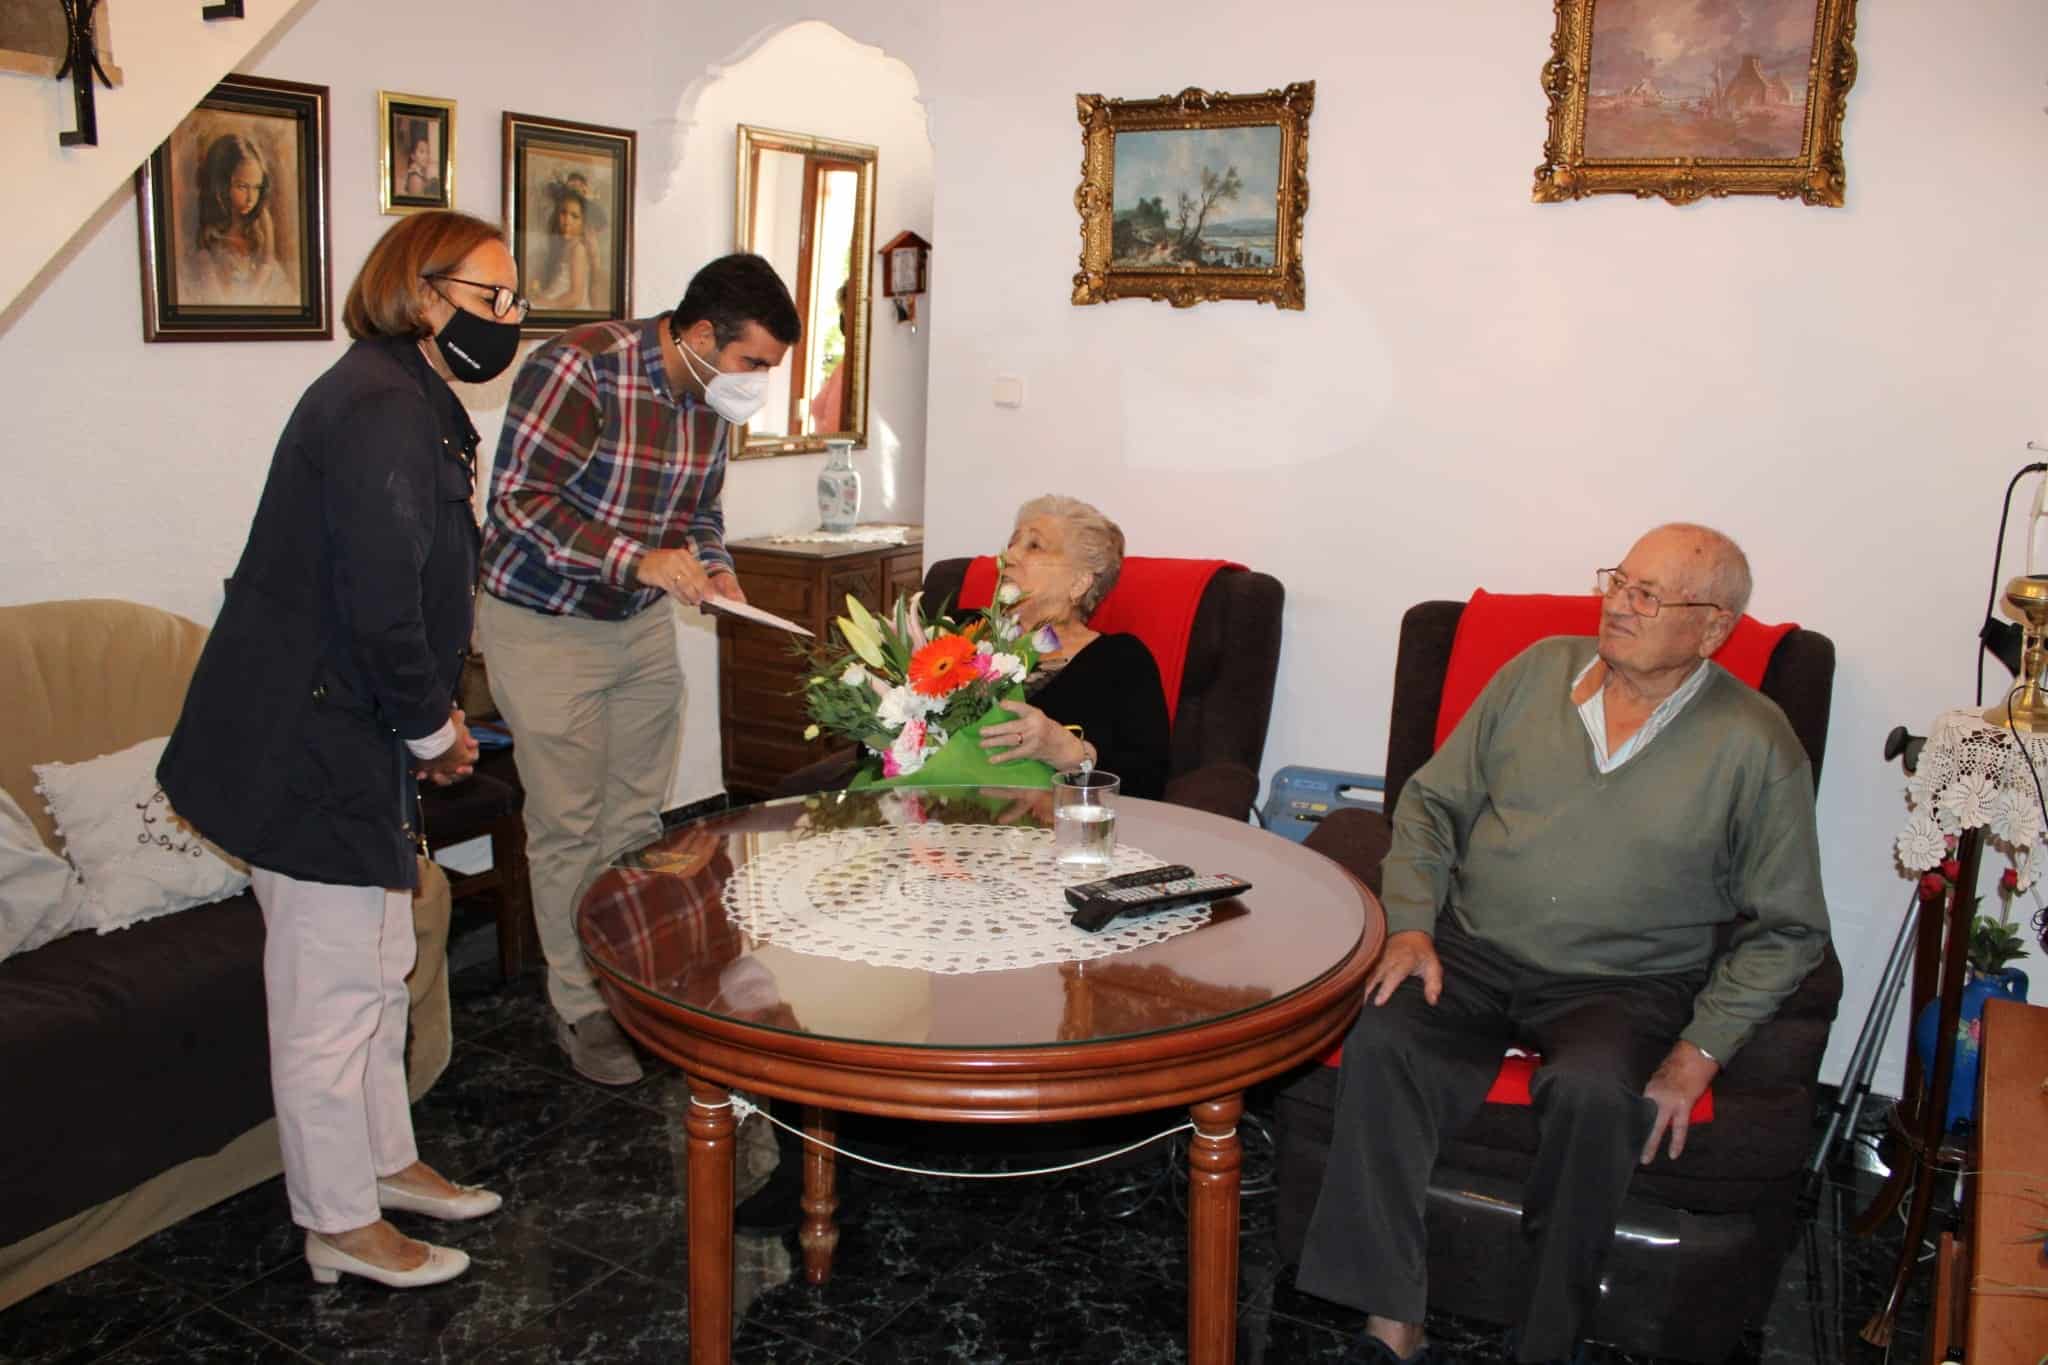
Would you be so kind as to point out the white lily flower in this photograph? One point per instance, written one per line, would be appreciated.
(854, 676)
(901, 705)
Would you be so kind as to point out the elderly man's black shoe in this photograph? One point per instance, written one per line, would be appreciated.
(1367, 1349)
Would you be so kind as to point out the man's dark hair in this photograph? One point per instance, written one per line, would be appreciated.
(735, 290)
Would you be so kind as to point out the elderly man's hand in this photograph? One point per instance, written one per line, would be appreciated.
(1408, 953)
(1674, 1088)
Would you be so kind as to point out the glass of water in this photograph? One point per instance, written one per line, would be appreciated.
(1084, 820)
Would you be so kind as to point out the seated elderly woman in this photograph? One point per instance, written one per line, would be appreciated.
(1093, 697)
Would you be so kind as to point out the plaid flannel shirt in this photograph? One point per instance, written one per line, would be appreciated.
(599, 462)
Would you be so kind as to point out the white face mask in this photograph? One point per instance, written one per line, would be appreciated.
(735, 397)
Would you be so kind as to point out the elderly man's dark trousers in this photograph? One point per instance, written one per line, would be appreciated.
(1414, 1073)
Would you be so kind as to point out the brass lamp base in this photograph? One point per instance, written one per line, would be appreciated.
(2026, 710)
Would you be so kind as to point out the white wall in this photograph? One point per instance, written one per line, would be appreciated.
(168, 58)
(807, 78)
(1485, 392)
(133, 469)
(1482, 391)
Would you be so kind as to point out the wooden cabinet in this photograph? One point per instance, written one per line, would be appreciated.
(1999, 1283)
(760, 710)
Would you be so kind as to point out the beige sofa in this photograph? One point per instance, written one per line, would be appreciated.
(79, 679)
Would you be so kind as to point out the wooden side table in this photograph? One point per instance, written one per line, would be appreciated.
(761, 716)
(2008, 1281)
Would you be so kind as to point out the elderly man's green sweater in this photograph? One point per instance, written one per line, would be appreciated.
(1513, 829)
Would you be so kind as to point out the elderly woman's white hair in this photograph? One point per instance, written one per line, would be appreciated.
(1094, 542)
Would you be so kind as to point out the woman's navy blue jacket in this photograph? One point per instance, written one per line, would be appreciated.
(343, 631)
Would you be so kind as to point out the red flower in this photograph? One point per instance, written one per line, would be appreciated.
(942, 666)
(1932, 886)
(2009, 881)
(1951, 869)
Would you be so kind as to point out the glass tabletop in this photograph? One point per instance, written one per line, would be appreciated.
(657, 918)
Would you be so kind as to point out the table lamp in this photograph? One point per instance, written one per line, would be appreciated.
(2025, 708)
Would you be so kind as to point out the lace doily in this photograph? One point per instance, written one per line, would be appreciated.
(859, 535)
(1972, 775)
(936, 898)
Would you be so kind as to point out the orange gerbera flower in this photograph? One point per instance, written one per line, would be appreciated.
(942, 666)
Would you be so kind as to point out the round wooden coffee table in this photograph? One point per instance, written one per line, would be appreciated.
(1271, 981)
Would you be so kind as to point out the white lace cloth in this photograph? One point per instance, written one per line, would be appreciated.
(936, 898)
(1972, 775)
(859, 535)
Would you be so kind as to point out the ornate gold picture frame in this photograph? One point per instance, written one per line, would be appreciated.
(415, 153)
(1661, 97)
(1193, 197)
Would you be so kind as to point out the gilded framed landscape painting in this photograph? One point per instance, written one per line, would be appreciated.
(1684, 99)
(1193, 197)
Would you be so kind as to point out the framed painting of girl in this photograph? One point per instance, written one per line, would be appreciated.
(233, 210)
(569, 212)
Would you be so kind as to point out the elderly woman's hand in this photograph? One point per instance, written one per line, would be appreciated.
(1033, 734)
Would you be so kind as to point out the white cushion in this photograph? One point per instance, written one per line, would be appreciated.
(137, 858)
(40, 896)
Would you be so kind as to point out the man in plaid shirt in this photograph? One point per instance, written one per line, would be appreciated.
(604, 506)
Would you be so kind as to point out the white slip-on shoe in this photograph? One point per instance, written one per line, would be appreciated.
(329, 1263)
(469, 1202)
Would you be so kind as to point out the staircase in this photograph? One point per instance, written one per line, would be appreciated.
(169, 58)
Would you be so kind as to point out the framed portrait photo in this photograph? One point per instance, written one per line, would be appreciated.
(569, 214)
(1193, 197)
(233, 212)
(415, 153)
(1682, 101)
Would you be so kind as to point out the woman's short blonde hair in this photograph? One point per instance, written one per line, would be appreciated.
(384, 300)
(1094, 542)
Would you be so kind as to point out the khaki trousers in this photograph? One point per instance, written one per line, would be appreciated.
(593, 707)
(335, 960)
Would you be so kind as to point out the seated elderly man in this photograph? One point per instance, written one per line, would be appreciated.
(1557, 873)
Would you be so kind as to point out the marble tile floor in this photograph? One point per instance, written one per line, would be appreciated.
(586, 1261)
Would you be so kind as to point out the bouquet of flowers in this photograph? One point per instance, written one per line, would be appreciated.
(915, 691)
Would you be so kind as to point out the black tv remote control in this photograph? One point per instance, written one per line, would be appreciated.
(1096, 904)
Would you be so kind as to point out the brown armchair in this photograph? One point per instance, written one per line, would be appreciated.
(1701, 1239)
(1226, 693)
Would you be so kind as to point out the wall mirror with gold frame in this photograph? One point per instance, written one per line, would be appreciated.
(807, 203)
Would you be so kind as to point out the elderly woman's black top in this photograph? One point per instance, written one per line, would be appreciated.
(1111, 689)
(343, 631)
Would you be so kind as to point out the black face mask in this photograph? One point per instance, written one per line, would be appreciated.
(477, 350)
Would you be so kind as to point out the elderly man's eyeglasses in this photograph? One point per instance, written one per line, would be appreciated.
(504, 302)
(1641, 601)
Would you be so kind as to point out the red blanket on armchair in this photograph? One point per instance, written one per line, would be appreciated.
(1154, 599)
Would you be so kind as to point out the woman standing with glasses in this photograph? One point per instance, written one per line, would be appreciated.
(324, 695)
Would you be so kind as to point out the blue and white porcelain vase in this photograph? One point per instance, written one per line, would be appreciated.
(838, 488)
(2010, 984)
